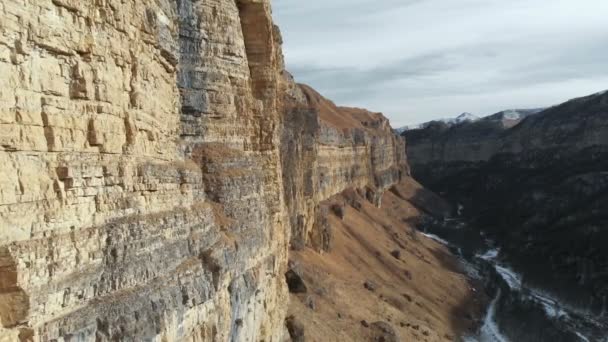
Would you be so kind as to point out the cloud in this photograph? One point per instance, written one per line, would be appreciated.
(423, 59)
(352, 80)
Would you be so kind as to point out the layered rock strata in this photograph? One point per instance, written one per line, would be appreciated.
(326, 149)
(143, 150)
(141, 195)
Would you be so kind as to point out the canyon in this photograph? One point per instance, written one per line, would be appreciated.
(159, 167)
(536, 192)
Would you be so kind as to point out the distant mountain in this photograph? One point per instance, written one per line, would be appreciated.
(538, 189)
(400, 130)
(464, 117)
(507, 118)
(511, 117)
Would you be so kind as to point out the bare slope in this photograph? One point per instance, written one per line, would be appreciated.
(418, 289)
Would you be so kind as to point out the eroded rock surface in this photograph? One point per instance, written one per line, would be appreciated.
(141, 192)
(325, 150)
(145, 149)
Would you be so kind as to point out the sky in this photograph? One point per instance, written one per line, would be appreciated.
(418, 60)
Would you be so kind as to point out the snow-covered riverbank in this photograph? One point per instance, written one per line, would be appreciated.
(511, 293)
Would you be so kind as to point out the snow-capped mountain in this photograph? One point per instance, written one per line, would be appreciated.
(464, 117)
(511, 117)
(508, 118)
(407, 128)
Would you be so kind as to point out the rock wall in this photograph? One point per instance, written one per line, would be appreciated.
(143, 145)
(327, 149)
(141, 192)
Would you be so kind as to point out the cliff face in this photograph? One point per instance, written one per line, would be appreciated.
(538, 188)
(146, 147)
(325, 150)
(141, 194)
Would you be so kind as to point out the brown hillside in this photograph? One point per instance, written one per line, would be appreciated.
(421, 294)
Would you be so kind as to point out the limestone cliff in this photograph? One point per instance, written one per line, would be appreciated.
(141, 190)
(327, 149)
(145, 149)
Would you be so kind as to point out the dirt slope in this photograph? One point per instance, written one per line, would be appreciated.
(419, 291)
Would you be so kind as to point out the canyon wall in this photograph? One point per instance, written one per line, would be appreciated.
(325, 150)
(539, 189)
(156, 158)
(141, 193)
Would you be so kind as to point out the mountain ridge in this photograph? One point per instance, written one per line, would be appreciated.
(508, 117)
(537, 189)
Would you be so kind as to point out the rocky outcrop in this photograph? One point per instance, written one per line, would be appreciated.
(146, 147)
(539, 189)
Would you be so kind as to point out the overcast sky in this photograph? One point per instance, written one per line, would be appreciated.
(416, 60)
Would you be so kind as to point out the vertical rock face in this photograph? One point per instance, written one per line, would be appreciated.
(141, 193)
(141, 189)
(327, 149)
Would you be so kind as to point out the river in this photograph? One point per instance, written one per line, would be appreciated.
(518, 312)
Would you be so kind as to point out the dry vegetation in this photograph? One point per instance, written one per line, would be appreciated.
(380, 270)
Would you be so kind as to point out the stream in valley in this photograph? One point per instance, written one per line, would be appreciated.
(517, 312)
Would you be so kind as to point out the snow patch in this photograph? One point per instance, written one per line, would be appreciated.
(511, 115)
(581, 336)
(490, 254)
(513, 279)
(464, 117)
(550, 305)
(163, 19)
(489, 330)
(409, 128)
(436, 238)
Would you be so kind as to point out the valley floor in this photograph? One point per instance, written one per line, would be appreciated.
(381, 280)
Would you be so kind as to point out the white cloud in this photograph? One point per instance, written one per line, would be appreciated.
(422, 59)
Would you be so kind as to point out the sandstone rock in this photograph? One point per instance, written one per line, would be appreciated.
(338, 210)
(321, 235)
(407, 296)
(310, 302)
